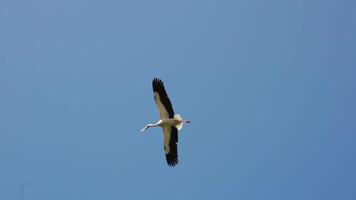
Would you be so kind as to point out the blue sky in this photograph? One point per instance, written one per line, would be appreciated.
(269, 86)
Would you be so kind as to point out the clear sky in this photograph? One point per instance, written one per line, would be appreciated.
(269, 86)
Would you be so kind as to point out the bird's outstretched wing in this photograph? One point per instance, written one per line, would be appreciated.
(170, 145)
(161, 98)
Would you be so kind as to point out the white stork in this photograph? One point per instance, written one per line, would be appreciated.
(169, 122)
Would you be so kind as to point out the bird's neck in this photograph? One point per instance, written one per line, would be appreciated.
(157, 124)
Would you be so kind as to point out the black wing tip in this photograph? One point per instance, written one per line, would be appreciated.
(172, 161)
(157, 82)
(155, 79)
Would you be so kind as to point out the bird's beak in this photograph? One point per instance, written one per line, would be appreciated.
(144, 129)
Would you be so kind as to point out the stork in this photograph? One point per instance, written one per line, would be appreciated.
(169, 122)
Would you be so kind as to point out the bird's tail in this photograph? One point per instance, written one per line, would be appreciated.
(178, 117)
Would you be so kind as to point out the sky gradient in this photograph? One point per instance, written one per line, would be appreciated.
(268, 85)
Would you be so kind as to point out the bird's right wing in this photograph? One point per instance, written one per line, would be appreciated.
(170, 134)
(161, 98)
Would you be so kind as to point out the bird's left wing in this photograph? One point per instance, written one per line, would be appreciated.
(161, 99)
(170, 144)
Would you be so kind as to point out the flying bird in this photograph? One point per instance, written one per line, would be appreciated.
(169, 122)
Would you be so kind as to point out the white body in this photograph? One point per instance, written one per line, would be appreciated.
(177, 122)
